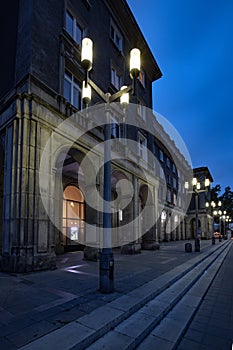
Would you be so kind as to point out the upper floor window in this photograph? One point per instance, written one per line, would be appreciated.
(174, 182)
(141, 109)
(173, 168)
(141, 78)
(73, 28)
(115, 128)
(161, 173)
(161, 156)
(168, 163)
(169, 196)
(72, 90)
(116, 78)
(116, 36)
(142, 146)
(168, 179)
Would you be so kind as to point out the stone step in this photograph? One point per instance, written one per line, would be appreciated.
(179, 318)
(163, 309)
(84, 331)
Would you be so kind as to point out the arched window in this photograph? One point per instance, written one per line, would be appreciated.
(73, 215)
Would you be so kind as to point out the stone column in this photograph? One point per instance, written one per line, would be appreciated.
(26, 244)
(133, 242)
(150, 240)
(92, 239)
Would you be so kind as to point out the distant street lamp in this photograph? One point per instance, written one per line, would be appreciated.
(228, 220)
(106, 277)
(197, 188)
(215, 210)
(225, 218)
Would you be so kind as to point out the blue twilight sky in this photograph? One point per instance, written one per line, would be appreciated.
(192, 41)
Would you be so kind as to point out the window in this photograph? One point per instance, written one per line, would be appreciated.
(168, 179)
(141, 109)
(72, 90)
(174, 198)
(142, 146)
(116, 36)
(161, 157)
(73, 28)
(174, 182)
(141, 78)
(169, 196)
(168, 163)
(116, 78)
(115, 128)
(173, 168)
(161, 173)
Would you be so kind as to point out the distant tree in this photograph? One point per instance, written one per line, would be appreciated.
(227, 201)
(215, 193)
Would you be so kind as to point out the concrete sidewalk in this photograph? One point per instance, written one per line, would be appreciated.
(36, 304)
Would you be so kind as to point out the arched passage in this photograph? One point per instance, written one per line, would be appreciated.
(72, 185)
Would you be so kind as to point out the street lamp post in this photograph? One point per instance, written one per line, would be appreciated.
(228, 220)
(225, 219)
(196, 189)
(106, 275)
(215, 210)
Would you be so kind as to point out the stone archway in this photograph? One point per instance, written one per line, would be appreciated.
(69, 174)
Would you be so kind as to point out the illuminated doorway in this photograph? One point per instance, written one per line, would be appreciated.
(73, 220)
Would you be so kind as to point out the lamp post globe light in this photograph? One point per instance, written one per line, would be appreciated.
(196, 188)
(106, 272)
(215, 208)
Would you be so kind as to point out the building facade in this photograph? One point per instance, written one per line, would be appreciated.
(205, 218)
(41, 88)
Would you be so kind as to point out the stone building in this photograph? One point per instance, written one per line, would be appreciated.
(40, 89)
(205, 218)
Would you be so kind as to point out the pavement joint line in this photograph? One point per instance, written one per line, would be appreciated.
(123, 314)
